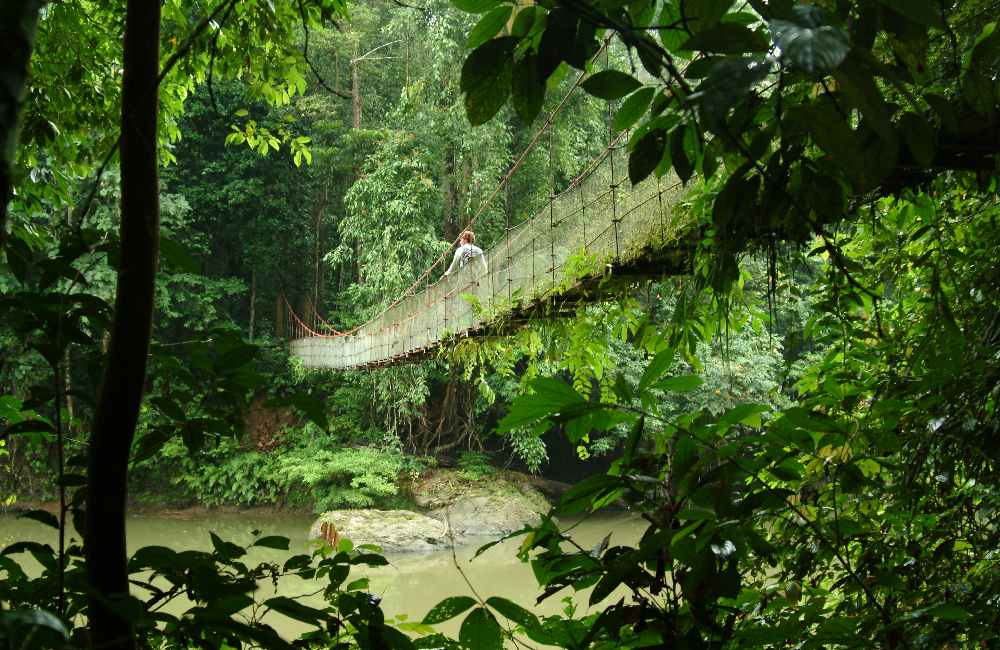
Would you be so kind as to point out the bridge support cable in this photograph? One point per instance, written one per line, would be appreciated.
(598, 224)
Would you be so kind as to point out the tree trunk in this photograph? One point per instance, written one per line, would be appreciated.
(68, 388)
(317, 266)
(125, 373)
(464, 196)
(253, 297)
(18, 22)
(448, 227)
(355, 94)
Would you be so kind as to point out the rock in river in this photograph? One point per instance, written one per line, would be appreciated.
(488, 515)
(488, 506)
(393, 530)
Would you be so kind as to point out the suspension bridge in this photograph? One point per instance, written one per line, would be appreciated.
(600, 227)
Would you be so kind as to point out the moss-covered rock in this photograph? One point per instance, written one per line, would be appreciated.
(472, 506)
(485, 506)
(393, 530)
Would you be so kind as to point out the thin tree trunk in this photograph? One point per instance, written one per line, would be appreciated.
(68, 388)
(356, 123)
(320, 209)
(253, 297)
(60, 475)
(125, 373)
(448, 226)
(465, 206)
(355, 95)
(18, 23)
(336, 70)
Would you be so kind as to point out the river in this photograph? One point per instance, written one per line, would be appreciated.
(409, 587)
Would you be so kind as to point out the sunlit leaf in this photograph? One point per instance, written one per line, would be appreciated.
(808, 42)
(448, 608)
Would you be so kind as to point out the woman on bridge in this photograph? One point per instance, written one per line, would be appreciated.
(466, 251)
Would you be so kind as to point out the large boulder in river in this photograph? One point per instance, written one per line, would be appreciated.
(488, 515)
(393, 530)
(485, 506)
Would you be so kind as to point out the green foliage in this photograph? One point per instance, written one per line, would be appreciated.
(308, 468)
(227, 474)
(819, 516)
(215, 597)
(807, 107)
(353, 477)
(475, 465)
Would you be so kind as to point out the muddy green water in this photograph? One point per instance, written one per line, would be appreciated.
(409, 587)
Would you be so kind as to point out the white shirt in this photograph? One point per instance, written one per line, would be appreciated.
(464, 254)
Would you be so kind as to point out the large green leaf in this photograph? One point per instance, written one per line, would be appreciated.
(683, 165)
(296, 610)
(949, 612)
(681, 384)
(527, 88)
(486, 79)
(728, 81)
(475, 6)
(273, 541)
(523, 21)
(483, 65)
(632, 108)
(42, 517)
(150, 443)
(610, 84)
(513, 611)
(227, 550)
(549, 397)
(313, 407)
(448, 608)
(672, 32)
(808, 42)
(480, 631)
(656, 367)
(727, 38)
(488, 26)
(748, 414)
(29, 426)
(35, 620)
(646, 155)
(980, 88)
(177, 256)
(700, 15)
(590, 490)
(857, 83)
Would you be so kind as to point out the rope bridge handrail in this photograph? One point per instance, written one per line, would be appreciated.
(599, 220)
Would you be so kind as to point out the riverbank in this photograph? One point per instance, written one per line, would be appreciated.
(426, 491)
(170, 512)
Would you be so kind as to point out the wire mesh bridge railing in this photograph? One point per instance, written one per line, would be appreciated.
(600, 220)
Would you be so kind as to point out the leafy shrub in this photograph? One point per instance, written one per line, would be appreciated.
(228, 474)
(475, 465)
(353, 477)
